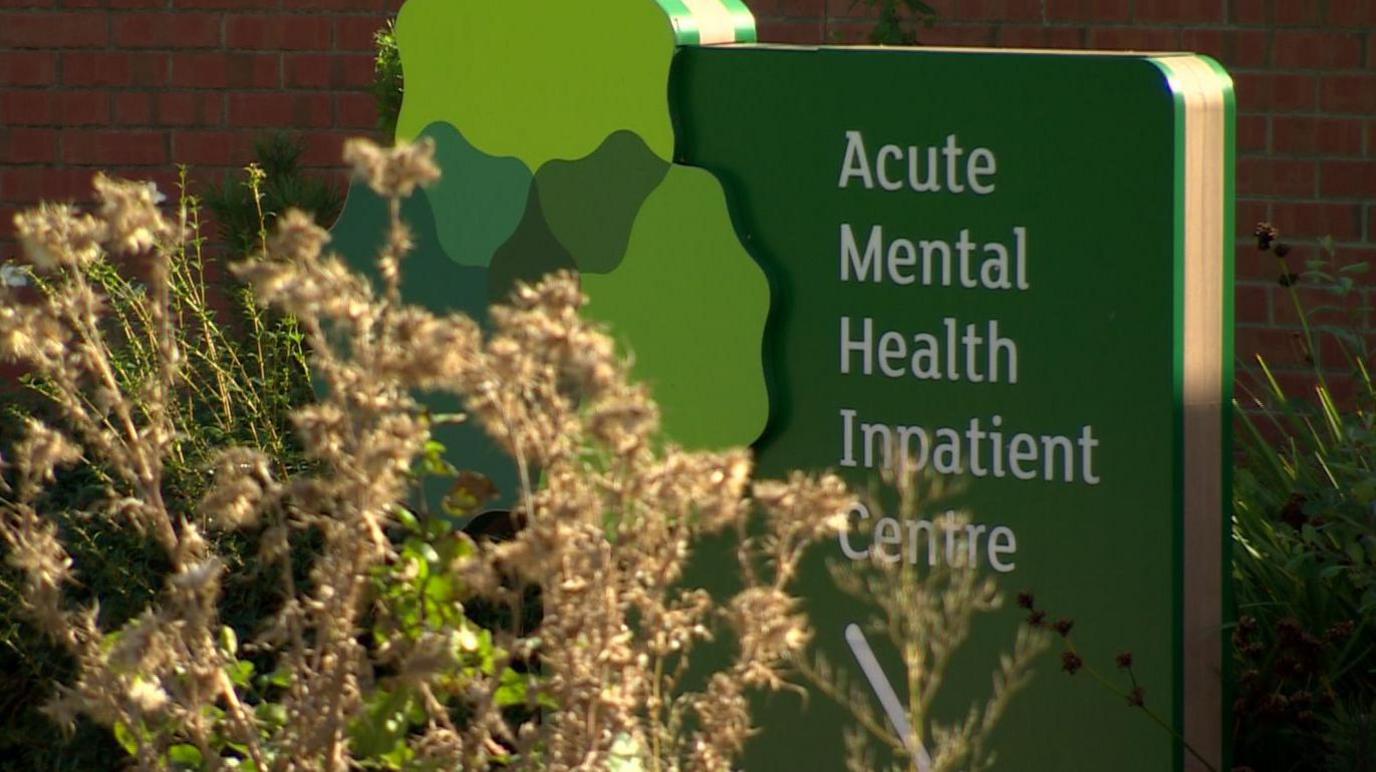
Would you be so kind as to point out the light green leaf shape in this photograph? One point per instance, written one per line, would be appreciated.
(591, 204)
(478, 201)
(691, 304)
(534, 79)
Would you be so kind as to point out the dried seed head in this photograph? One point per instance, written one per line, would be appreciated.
(393, 172)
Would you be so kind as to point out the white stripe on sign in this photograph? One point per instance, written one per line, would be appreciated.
(898, 717)
(715, 23)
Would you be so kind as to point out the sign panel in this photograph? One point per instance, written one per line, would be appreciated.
(982, 257)
(1014, 265)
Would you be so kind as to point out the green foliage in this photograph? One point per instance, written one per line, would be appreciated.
(1304, 529)
(246, 208)
(897, 20)
(245, 372)
(387, 80)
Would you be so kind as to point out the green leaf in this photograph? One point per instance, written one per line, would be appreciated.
(271, 713)
(229, 640)
(185, 756)
(512, 691)
(126, 739)
(241, 673)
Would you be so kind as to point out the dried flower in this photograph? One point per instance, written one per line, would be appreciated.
(1265, 233)
(1071, 662)
(130, 212)
(1137, 697)
(1123, 660)
(1063, 626)
(54, 236)
(1026, 600)
(393, 172)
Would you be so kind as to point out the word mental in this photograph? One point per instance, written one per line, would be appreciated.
(992, 266)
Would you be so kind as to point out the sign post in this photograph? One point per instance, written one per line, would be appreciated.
(1011, 267)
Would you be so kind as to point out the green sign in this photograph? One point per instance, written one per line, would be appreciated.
(1014, 266)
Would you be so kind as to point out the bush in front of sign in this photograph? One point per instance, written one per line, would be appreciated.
(371, 659)
(925, 608)
(1305, 540)
(243, 372)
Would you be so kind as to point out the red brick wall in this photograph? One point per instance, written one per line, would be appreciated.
(135, 86)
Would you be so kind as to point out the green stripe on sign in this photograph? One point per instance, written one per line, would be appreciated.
(744, 21)
(710, 22)
(685, 26)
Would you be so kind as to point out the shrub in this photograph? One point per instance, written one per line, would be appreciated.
(1304, 530)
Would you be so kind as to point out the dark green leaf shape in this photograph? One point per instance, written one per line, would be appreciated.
(590, 204)
(432, 280)
(479, 201)
(532, 253)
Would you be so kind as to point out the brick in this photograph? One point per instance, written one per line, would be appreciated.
(1191, 11)
(1001, 10)
(190, 108)
(1316, 219)
(795, 32)
(229, 5)
(1249, 213)
(1300, 13)
(1252, 303)
(1134, 38)
(958, 35)
(1348, 179)
(163, 30)
(226, 70)
(110, 148)
(1349, 93)
(1251, 133)
(27, 68)
(1329, 50)
(133, 108)
(355, 33)
(102, 68)
(1348, 13)
(27, 108)
(1099, 11)
(1310, 135)
(1037, 36)
(356, 111)
(1271, 177)
(82, 108)
(30, 184)
(301, 110)
(1248, 11)
(28, 146)
(1275, 91)
(393, 5)
(1234, 48)
(96, 69)
(81, 29)
(788, 9)
(1280, 348)
(212, 148)
(327, 70)
(1320, 305)
(279, 32)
